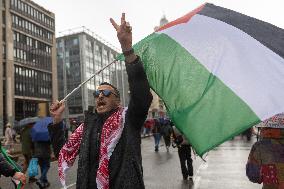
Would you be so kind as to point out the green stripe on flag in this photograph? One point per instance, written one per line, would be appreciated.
(200, 104)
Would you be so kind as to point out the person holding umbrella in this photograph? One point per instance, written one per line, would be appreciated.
(42, 149)
(27, 147)
(24, 126)
(266, 159)
(109, 141)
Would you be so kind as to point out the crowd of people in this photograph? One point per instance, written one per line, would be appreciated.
(164, 128)
(34, 149)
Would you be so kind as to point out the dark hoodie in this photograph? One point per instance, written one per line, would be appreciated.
(5, 168)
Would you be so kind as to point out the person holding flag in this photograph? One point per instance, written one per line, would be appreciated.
(109, 141)
(8, 170)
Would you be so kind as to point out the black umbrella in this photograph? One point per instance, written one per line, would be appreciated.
(26, 121)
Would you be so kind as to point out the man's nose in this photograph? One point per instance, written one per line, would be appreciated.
(101, 95)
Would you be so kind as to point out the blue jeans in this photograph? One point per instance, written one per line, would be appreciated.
(44, 164)
(146, 131)
(157, 137)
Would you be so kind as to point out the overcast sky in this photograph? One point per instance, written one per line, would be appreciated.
(144, 15)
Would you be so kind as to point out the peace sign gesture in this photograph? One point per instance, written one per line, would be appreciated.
(124, 33)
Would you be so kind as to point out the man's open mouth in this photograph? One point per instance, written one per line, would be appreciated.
(101, 104)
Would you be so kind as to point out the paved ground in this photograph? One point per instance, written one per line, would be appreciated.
(224, 169)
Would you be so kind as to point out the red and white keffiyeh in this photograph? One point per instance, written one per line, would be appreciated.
(68, 153)
(111, 133)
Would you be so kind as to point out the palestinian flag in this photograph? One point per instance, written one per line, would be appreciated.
(219, 72)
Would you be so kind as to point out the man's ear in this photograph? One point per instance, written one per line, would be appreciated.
(117, 101)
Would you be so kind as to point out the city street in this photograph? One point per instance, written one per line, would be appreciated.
(224, 169)
(211, 69)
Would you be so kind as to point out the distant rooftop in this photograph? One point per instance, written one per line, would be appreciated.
(83, 29)
(40, 7)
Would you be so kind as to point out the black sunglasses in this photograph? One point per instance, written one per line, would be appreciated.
(105, 92)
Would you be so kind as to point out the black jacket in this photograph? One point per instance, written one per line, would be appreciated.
(42, 149)
(125, 166)
(5, 168)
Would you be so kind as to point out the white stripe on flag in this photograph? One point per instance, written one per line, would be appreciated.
(252, 71)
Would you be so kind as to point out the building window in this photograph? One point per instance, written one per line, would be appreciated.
(25, 8)
(3, 34)
(75, 41)
(3, 51)
(26, 83)
(3, 17)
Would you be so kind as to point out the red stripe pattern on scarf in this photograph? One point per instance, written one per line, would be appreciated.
(111, 133)
(68, 152)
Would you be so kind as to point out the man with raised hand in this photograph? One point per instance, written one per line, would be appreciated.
(108, 142)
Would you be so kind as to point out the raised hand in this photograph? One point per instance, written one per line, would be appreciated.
(124, 33)
(56, 110)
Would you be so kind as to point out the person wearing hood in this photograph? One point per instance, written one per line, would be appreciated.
(266, 159)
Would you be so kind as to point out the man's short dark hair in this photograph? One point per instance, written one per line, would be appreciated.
(115, 89)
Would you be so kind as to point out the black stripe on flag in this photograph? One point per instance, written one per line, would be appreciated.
(269, 35)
